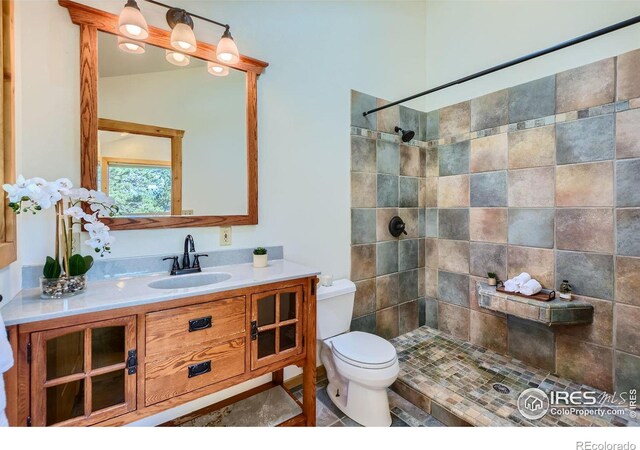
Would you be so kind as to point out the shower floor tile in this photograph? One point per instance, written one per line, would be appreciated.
(469, 382)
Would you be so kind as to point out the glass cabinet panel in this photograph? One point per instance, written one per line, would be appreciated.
(107, 346)
(65, 401)
(267, 310)
(107, 390)
(266, 343)
(65, 355)
(287, 337)
(287, 306)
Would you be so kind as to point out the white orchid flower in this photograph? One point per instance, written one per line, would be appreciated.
(91, 218)
(17, 191)
(79, 195)
(96, 229)
(75, 212)
(63, 185)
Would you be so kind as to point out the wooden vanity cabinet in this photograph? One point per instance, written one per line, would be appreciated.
(115, 367)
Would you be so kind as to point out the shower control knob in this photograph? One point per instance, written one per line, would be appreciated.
(397, 226)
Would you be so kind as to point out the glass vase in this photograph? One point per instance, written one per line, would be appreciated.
(63, 287)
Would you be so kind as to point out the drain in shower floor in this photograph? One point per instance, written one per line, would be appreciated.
(499, 387)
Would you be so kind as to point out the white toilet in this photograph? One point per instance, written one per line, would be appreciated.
(360, 366)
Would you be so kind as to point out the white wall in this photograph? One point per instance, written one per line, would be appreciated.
(467, 36)
(134, 146)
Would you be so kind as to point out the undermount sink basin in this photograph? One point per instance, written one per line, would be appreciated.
(190, 281)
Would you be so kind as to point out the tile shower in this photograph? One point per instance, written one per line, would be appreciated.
(543, 177)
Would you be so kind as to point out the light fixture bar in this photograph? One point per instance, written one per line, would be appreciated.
(224, 25)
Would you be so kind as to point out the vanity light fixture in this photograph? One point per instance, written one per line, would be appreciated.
(131, 22)
(227, 51)
(177, 58)
(182, 37)
(217, 69)
(130, 46)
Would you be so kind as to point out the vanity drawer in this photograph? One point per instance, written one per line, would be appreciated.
(179, 374)
(193, 326)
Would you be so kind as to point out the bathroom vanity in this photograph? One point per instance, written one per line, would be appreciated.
(124, 350)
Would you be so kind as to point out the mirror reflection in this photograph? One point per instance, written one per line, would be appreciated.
(172, 138)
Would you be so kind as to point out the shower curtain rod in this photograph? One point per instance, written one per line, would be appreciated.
(513, 62)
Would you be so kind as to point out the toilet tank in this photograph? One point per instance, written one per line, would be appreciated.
(335, 308)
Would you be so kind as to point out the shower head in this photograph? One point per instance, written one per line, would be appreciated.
(407, 135)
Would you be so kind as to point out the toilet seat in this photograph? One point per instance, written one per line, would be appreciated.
(364, 350)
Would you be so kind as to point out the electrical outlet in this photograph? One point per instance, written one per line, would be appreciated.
(187, 212)
(225, 236)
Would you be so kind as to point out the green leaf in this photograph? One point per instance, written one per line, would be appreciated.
(88, 261)
(77, 266)
(52, 268)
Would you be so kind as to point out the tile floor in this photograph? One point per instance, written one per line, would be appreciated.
(403, 413)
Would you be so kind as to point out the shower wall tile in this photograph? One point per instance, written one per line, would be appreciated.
(453, 191)
(432, 169)
(431, 219)
(410, 217)
(388, 157)
(489, 189)
(589, 274)
(488, 224)
(490, 111)
(363, 190)
(454, 158)
(585, 140)
(586, 86)
(585, 184)
(628, 134)
(453, 224)
(408, 316)
(627, 330)
(431, 253)
(599, 332)
(366, 324)
(453, 288)
(431, 282)
(489, 153)
(388, 118)
(408, 192)
(576, 361)
(387, 288)
(387, 325)
(521, 193)
(409, 119)
(534, 147)
(628, 183)
(537, 262)
(360, 103)
(531, 342)
(532, 100)
(488, 331)
(485, 258)
(363, 154)
(365, 298)
(628, 80)
(627, 370)
(408, 286)
(589, 230)
(422, 222)
(453, 256)
(431, 192)
(628, 226)
(409, 161)
(453, 320)
(383, 217)
(428, 312)
(408, 254)
(455, 120)
(432, 125)
(363, 259)
(387, 191)
(386, 258)
(628, 280)
(363, 226)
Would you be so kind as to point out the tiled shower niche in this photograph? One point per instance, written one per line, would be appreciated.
(543, 177)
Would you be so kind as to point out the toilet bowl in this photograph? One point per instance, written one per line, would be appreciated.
(360, 366)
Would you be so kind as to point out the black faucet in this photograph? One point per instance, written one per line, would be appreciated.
(189, 246)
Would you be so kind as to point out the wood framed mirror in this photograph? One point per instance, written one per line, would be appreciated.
(144, 125)
(8, 251)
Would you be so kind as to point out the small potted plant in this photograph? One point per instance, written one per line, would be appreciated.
(260, 257)
(565, 290)
(493, 278)
(64, 273)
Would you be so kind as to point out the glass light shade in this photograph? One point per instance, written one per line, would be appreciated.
(183, 39)
(177, 58)
(130, 46)
(227, 51)
(132, 24)
(217, 69)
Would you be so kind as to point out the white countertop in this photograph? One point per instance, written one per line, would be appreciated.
(116, 293)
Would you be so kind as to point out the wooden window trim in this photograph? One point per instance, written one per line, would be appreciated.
(8, 239)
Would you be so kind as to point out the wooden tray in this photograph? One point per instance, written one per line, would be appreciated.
(545, 295)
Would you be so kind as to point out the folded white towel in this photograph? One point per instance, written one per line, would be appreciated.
(531, 287)
(6, 362)
(522, 279)
(511, 286)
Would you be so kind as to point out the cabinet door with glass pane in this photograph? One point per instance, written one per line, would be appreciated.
(276, 325)
(84, 374)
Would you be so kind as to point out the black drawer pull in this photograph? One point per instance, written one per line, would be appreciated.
(199, 324)
(199, 369)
